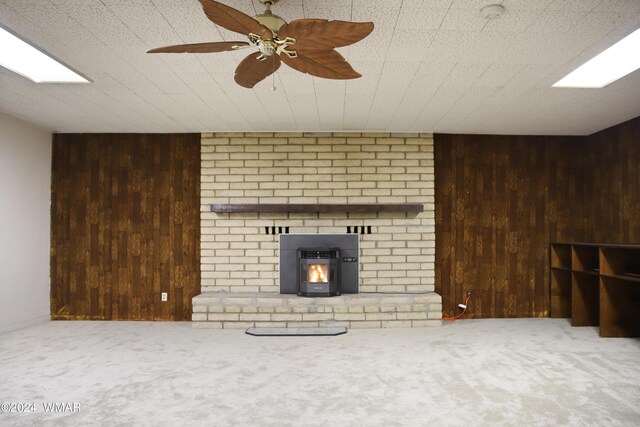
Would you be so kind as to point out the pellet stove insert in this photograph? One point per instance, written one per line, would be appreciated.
(318, 272)
(329, 266)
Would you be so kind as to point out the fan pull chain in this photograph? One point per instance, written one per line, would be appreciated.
(273, 74)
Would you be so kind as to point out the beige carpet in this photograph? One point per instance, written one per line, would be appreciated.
(475, 372)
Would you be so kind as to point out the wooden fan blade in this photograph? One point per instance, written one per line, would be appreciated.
(200, 47)
(321, 34)
(252, 71)
(234, 20)
(328, 64)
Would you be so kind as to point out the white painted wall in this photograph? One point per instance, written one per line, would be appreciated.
(25, 194)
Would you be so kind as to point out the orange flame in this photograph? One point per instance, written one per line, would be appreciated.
(318, 273)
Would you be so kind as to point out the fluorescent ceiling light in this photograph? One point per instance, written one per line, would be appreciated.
(24, 59)
(614, 63)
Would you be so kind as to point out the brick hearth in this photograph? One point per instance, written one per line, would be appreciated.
(220, 310)
(240, 260)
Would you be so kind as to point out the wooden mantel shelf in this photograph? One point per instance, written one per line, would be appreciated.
(313, 208)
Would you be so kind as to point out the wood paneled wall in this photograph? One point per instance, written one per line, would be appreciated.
(500, 201)
(492, 223)
(612, 173)
(125, 226)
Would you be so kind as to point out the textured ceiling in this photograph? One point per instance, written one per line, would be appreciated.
(429, 66)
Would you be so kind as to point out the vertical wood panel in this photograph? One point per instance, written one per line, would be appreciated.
(499, 201)
(614, 178)
(125, 226)
(543, 189)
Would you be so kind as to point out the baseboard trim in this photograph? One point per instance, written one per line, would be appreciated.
(24, 324)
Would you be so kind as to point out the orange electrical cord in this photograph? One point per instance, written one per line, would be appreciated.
(466, 304)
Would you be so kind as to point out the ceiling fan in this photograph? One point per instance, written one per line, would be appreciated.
(306, 45)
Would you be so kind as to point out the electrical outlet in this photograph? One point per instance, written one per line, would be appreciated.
(164, 296)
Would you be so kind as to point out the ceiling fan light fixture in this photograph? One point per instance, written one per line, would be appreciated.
(492, 11)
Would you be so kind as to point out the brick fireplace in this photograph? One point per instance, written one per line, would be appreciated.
(240, 251)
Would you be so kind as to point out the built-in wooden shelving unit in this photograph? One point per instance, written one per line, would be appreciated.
(597, 285)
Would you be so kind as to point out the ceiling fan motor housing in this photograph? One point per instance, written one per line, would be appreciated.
(271, 21)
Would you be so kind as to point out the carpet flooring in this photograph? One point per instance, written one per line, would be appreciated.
(513, 372)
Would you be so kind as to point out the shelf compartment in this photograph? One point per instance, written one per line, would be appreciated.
(619, 307)
(560, 293)
(560, 255)
(619, 261)
(585, 258)
(585, 306)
